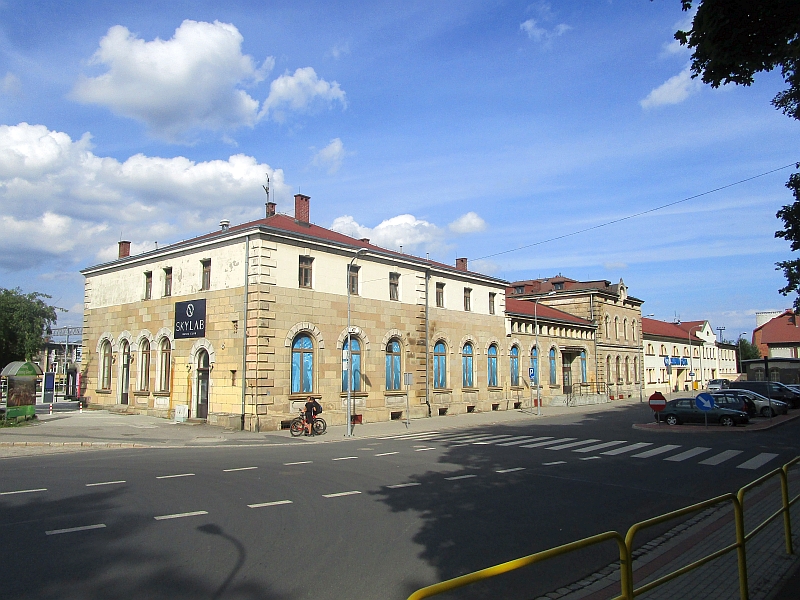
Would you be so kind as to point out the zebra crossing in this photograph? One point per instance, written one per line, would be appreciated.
(598, 448)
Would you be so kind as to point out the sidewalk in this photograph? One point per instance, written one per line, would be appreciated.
(99, 429)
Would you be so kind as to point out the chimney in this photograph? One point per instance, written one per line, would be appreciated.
(224, 224)
(124, 249)
(461, 264)
(271, 209)
(301, 209)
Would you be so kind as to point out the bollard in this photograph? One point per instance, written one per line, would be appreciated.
(51, 408)
(80, 407)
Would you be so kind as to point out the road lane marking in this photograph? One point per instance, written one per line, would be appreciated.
(555, 462)
(572, 445)
(471, 438)
(408, 435)
(510, 470)
(423, 449)
(720, 458)
(195, 513)
(625, 449)
(601, 446)
(73, 529)
(502, 438)
(403, 485)
(105, 483)
(238, 469)
(345, 458)
(340, 494)
(590, 458)
(265, 504)
(173, 476)
(523, 441)
(656, 451)
(687, 455)
(23, 492)
(460, 477)
(299, 462)
(386, 453)
(459, 445)
(547, 443)
(757, 461)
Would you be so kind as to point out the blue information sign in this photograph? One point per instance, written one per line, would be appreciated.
(704, 401)
(531, 373)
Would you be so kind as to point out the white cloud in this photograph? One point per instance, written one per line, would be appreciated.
(673, 91)
(340, 50)
(10, 85)
(301, 92)
(403, 230)
(539, 34)
(615, 266)
(61, 201)
(189, 82)
(468, 223)
(331, 156)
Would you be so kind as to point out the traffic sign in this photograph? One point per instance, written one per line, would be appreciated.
(531, 373)
(666, 361)
(657, 402)
(704, 401)
(691, 373)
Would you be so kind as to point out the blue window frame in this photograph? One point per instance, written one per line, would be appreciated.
(553, 373)
(535, 364)
(492, 366)
(356, 353)
(514, 366)
(466, 366)
(439, 366)
(393, 365)
(583, 366)
(302, 365)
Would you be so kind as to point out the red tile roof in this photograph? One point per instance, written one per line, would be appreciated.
(526, 307)
(671, 330)
(783, 329)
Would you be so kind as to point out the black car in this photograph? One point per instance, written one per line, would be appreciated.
(756, 403)
(684, 410)
(770, 389)
(732, 399)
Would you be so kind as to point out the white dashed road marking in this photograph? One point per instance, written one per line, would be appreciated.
(195, 513)
(340, 494)
(547, 443)
(105, 483)
(757, 461)
(720, 458)
(656, 451)
(299, 462)
(502, 438)
(601, 446)
(265, 504)
(345, 458)
(687, 455)
(510, 470)
(23, 492)
(572, 445)
(238, 469)
(460, 477)
(423, 449)
(74, 529)
(625, 449)
(523, 441)
(387, 453)
(403, 485)
(557, 462)
(590, 458)
(174, 476)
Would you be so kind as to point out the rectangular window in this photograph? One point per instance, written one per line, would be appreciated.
(467, 299)
(491, 303)
(168, 282)
(233, 378)
(394, 286)
(206, 282)
(148, 285)
(440, 295)
(305, 271)
(352, 280)
(520, 289)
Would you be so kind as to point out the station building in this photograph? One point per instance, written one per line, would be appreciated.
(238, 327)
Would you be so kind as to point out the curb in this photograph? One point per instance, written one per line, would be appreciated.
(699, 428)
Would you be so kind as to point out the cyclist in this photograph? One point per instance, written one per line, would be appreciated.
(313, 408)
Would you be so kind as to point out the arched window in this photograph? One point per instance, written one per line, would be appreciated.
(609, 378)
(608, 327)
(553, 374)
(393, 367)
(633, 330)
(636, 369)
(466, 366)
(105, 365)
(144, 366)
(302, 364)
(514, 366)
(356, 353)
(440, 366)
(625, 328)
(619, 370)
(663, 350)
(616, 328)
(535, 364)
(124, 372)
(583, 366)
(165, 363)
(492, 366)
(627, 369)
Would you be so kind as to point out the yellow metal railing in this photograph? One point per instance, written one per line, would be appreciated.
(627, 590)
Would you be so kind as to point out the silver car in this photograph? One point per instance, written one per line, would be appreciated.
(762, 403)
(715, 385)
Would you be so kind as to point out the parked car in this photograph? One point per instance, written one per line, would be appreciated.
(761, 404)
(771, 389)
(718, 384)
(732, 399)
(684, 410)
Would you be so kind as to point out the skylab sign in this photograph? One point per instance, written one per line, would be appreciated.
(190, 319)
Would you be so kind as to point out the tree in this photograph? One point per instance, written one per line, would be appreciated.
(732, 40)
(746, 351)
(24, 320)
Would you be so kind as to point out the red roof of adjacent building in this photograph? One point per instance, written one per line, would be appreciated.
(672, 330)
(783, 329)
(526, 307)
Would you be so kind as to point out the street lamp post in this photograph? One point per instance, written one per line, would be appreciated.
(350, 348)
(691, 357)
(739, 353)
(642, 370)
(538, 352)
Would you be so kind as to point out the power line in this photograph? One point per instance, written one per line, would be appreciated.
(639, 214)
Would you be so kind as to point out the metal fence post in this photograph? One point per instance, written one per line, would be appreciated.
(738, 515)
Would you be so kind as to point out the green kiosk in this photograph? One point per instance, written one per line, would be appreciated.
(20, 398)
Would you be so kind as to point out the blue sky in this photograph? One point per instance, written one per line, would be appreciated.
(455, 128)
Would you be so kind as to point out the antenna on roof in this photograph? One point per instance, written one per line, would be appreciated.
(266, 187)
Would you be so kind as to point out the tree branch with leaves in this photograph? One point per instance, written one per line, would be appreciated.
(24, 321)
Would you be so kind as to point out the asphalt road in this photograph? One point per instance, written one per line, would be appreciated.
(364, 518)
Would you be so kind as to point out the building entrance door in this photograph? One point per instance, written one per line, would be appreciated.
(566, 371)
(202, 384)
(125, 373)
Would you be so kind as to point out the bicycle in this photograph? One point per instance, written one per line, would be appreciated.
(298, 425)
